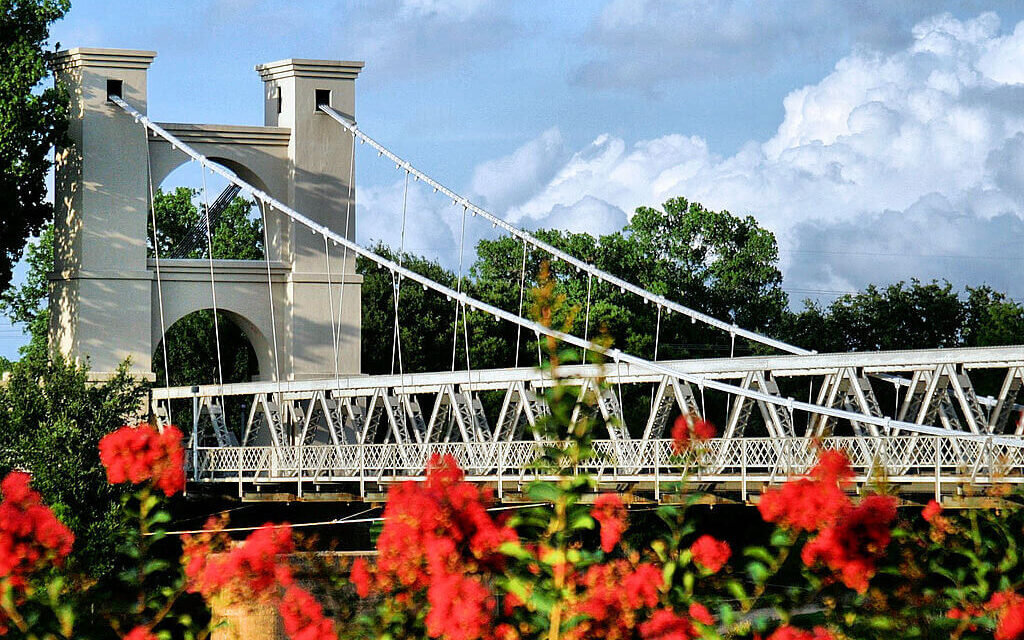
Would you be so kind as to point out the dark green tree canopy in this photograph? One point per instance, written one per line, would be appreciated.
(32, 121)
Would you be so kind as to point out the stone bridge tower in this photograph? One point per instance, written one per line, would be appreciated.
(104, 298)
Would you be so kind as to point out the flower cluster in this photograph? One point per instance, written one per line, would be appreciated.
(248, 571)
(143, 454)
(610, 514)
(31, 536)
(849, 538)
(437, 535)
(612, 596)
(303, 616)
(688, 429)
(710, 553)
(253, 571)
(1009, 607)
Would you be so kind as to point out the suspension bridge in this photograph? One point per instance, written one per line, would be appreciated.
(314, 427)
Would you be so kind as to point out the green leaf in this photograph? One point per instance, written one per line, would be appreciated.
(583, 521)
(156, 564)
(544, 491)
(737, 590)
(758, 572)
(759, 553)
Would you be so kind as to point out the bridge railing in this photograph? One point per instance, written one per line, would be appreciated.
(898, 460)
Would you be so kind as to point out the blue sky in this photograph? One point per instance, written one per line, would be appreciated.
(879, 140)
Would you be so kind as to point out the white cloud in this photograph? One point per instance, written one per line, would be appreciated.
(918, 151)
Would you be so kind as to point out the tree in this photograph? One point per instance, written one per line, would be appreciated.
(27, 303)
(31, 123)
(425, 318)
(51, 421)
(908, 316)
(711, 261)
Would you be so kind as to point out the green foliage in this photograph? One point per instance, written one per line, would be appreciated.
(27, 304)
(914, 316)
(31, 123)
(51, 422)
(235, 236)
(425, 318)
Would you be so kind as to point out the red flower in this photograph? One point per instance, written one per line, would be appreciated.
(1009, 607)
(611, 595)
(611, 515)
(251, 570)
(360, 577)
(437, 527)
(142, 454)
(303, 617)
(932, 509)
(792, 633)
(710, 553)
(140, 633)
(461, 608)
(701, 614)
(688, 428)
(31, 536)
(812, 503)
(666, 624)
(849, 548)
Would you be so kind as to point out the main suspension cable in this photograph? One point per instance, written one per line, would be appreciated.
(607, 352)
(558, 253)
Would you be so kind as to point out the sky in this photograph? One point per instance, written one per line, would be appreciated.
(879, 141)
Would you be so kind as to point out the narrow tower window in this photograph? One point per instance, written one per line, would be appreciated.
(323, 98)
(114, 88)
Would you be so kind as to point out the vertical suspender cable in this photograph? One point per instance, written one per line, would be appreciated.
(586, 319)
(213, 287)
(522, 290)
(344, 254)
(458, 289)
(159, 282)
(396, 280)
(330, 297)
(270, 295)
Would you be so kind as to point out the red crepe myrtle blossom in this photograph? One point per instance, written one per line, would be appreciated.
(461, 608)
(666, 624)
(360, 577)
(143, 454)
(931, 510)
(140, 633)
(1009, 607)
(792, 633)
(611, 515)
(610, 598)
(31, 536)
(701, 614)
(812, 503)
(437, 527)
(687, 429)
(251, 570)
(303, 617)
(849, 547)
(710, 553)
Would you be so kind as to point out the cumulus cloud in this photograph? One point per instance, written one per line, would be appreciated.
(914, 152)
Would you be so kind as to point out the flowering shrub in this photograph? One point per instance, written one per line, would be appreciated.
(450, 566)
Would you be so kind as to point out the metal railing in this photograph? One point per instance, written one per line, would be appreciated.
(739, 462)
